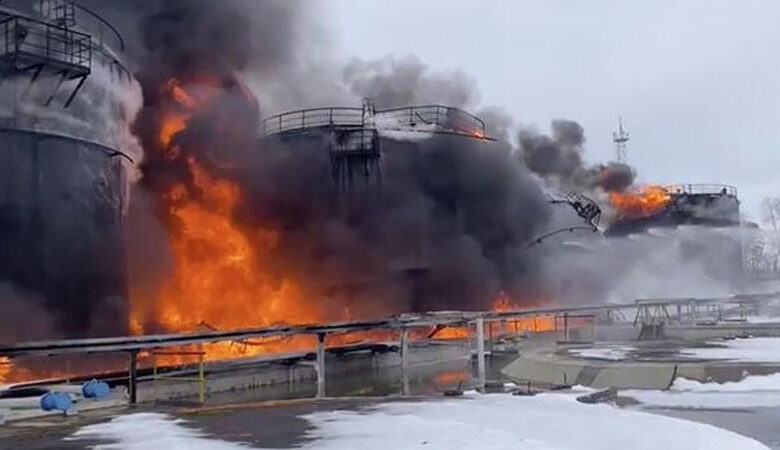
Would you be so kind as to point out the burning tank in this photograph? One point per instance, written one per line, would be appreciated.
(370, 150)
(702, 220)
(645, 207)
(62, 157)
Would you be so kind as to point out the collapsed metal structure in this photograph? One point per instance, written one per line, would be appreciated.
(353, 134)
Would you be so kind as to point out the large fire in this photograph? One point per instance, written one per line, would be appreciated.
(534, 324)
(641, 201)
(221, 274)
(220, 279)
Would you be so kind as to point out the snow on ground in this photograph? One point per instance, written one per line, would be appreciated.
(760, 349)
(501, 421)
(495, 421)
(763, 319)
(616, 353)
(752, 392)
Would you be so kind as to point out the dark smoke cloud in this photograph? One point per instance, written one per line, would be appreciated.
(449, 226)
(25, 315)
(558, 159)
(446, 229)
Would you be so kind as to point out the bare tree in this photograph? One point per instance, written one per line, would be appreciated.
(770, 215)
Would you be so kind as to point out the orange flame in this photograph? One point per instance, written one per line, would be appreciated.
(534, 324)
(453, 333)
(642, 201)
(220, 277)
(14, 372)
(452, 377)
(5, 368)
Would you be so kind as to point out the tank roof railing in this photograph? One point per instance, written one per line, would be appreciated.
(448, 117)
(701, 189)
(106, 42)
(443, 118)
(33, 42)
(103, 28)
(305, 119)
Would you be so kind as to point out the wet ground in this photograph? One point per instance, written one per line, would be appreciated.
(758, 423)
(271, 417)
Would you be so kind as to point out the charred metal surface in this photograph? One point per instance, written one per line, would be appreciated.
(61, 227)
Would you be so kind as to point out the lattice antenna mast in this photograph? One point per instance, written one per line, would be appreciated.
(620, 138)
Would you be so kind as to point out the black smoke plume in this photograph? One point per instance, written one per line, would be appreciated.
(446, 229)
(558, 159)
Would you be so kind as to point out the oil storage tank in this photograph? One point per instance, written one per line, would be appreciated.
(64, 151)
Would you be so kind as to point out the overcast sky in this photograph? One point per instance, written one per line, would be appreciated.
(696, 81)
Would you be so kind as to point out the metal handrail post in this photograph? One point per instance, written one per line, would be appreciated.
(480, 336)
(202, 382)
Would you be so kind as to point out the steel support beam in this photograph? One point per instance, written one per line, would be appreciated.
(480, 337)
(320, 366)
(132, 378)
(405, 359)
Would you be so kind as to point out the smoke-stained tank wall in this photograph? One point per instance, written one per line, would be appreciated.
(61, 203)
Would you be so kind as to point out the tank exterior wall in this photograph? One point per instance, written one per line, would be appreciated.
(715, 208)
(61, 228)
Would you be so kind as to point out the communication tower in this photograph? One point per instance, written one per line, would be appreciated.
(620, 138)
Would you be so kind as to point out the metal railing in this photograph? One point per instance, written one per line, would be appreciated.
(29, 41)
(577, 329)
(445, 117)
(441, 118)
(200, 378)
(312, 118)
(702, 188)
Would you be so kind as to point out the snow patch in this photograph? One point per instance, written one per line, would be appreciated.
(754, 391)
(760, 349)
(501, 421)
(617, 353)
(496, 421)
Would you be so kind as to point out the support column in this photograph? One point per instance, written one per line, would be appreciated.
(405, 359)
(320, 367)
(480, 336)
(490, 336)
(132, 381)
